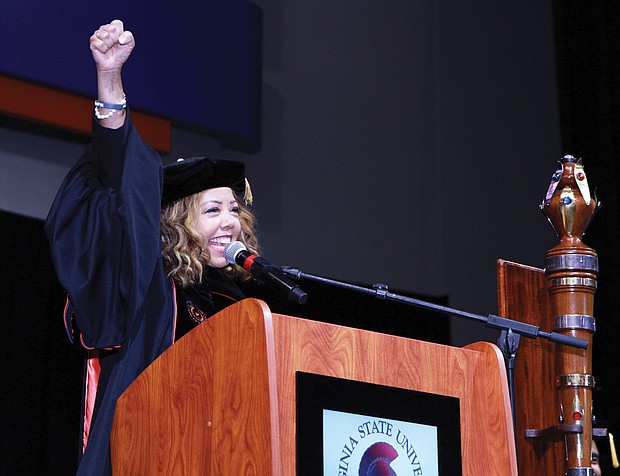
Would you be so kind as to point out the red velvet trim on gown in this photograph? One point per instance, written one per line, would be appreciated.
(93, 370)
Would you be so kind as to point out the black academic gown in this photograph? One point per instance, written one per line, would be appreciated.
(104, 231)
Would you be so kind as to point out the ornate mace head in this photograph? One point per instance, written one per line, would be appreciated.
(568, 204)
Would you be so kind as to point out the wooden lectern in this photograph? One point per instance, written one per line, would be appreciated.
(222, 401)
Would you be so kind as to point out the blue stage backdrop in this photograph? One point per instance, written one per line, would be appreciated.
(197, 63)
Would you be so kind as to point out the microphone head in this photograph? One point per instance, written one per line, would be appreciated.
(231, 250)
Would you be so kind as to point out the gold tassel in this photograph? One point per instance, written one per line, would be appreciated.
(248, 198)
(612, 447)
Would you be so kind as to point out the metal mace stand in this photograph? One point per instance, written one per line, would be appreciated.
(511, 331)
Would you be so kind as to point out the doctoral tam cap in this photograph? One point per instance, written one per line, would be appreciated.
(186, 177)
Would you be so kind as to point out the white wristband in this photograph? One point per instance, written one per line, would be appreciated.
(114, 108)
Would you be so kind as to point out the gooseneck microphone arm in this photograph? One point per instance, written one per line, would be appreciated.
(272, 276)
(380, 291)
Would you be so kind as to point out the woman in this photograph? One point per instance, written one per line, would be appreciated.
(131, 252)
(201, 214)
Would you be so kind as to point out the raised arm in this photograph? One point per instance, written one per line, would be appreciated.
(104, 224)
(111, 46)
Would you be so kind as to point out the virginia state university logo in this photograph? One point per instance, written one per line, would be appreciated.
(378, 447)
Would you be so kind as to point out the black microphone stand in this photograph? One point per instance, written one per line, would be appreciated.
(511, 330)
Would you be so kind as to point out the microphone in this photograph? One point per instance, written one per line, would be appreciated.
(237, 253)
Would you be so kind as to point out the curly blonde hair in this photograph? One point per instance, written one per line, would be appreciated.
(185, 255)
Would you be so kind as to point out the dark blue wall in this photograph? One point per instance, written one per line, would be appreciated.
(198, 63)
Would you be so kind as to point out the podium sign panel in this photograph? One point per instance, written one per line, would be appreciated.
(344, 426)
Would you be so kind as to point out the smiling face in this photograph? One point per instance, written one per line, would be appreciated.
(218, 222)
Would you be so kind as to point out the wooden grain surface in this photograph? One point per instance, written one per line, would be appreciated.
(221, 401)
(476, 376)
(203, 407)
(522, 296)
